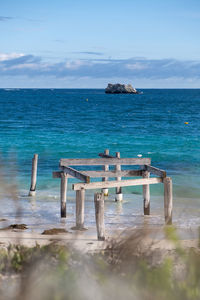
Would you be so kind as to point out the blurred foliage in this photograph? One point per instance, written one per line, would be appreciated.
(57, 272)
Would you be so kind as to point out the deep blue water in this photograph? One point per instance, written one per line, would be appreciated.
(64, 123)
(61, 123)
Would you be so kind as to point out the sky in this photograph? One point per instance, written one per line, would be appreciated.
(86, 44)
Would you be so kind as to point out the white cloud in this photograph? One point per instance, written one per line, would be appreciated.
(25, 66)
(18, 64)
(74, 65)
(5, 56)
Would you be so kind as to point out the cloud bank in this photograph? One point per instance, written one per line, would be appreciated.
(30, 66)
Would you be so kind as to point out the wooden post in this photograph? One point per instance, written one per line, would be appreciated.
(146, 194)
(168, 200)
(99, 214)
(119, 195)
(32, 191)
(63, 194)
(105, 168)
(80, 207)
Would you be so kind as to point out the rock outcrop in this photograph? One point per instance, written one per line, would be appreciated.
(120, 89)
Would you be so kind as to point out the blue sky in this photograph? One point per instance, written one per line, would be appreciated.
(83, 44)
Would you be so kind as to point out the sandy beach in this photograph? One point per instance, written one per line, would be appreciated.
(86, 241)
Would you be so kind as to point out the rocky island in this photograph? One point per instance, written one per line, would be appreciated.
(120, 89)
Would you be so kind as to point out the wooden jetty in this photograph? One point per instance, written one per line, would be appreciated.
(144, 173)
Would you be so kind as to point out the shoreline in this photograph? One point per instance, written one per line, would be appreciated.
(86, 241)
(40, 213)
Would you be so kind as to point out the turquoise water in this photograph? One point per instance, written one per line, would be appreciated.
(63, 123)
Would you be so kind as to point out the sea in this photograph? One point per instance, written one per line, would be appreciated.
(163, 124)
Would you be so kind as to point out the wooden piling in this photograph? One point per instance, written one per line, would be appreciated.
(32, 191)
(80, 207)
(119, 195)
(168, 200)
(63, 195)
(105, 168)
(146, 194)
(99, 214)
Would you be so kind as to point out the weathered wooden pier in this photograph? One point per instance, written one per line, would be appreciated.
(145, 171)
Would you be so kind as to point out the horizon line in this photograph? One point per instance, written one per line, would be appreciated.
(78, 88)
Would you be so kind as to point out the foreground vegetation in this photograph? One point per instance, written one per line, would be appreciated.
(120, 272)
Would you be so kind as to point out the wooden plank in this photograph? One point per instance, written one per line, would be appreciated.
(105, 168)
(168, 200)
(99, 215)
(112, 184)
(99, 174)
(63, 195)
(65, 162)
(76, 174)
(155, 171)
(124, 173)
(146, 194)
(32, 191)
